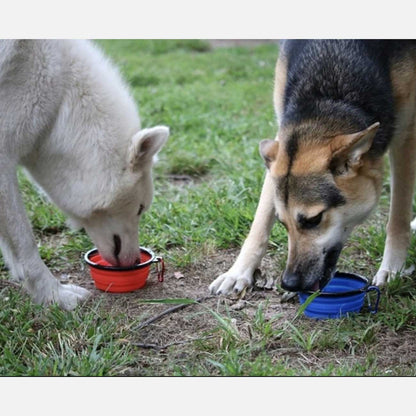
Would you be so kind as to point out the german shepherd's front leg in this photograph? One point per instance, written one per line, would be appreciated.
(254, 248)
(403, 172)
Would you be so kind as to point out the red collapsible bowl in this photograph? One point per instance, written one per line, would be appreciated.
(120, 279)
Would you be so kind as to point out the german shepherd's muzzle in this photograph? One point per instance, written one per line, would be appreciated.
(313, 272)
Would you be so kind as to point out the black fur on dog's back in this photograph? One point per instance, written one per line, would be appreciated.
(343, 86)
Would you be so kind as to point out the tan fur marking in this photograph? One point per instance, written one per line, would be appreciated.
(280, 165)
(355, 186)
(403, 78)
(308, 211)
(310, 159)
(279, 85)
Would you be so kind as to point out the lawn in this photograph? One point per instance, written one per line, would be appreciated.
(218, 105)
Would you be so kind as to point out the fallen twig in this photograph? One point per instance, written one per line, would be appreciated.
(168, 311)
(164, 347)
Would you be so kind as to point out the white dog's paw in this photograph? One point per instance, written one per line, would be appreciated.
(231, 282)
(48, 291)
(70, 296)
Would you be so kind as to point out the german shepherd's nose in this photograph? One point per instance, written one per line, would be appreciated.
(295, 282)
(291, 281)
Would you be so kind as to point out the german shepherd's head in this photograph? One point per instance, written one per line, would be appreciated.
(324, 186)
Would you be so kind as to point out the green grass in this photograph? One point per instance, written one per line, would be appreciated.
(38, 341)
(218, 105)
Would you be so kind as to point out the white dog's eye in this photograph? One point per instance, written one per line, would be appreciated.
(141, 208)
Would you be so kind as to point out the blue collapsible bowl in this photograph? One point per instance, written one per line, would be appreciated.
(343, 295)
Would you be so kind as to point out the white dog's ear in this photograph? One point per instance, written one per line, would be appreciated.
(145, 145)
(268, 151)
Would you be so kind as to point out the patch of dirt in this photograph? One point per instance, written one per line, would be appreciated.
(190, 282)
(173, 334)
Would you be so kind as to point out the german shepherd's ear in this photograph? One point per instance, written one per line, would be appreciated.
(348, 149)
(268, 151)
(145, 145)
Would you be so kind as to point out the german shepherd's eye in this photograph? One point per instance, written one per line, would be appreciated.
(141, 208)
(312, 222)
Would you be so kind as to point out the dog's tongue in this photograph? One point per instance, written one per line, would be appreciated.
(316, 286)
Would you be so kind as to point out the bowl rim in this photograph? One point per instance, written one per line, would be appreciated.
(349, 275)
(94, 250)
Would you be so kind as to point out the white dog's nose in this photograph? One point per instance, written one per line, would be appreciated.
(123, 259)
(117, 246)
(119, 253)
(129, 259)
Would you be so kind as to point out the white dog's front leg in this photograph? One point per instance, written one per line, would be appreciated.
(254, 248)
(20, 251)
(45, 289)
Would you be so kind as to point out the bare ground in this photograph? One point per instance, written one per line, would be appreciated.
(192, 283)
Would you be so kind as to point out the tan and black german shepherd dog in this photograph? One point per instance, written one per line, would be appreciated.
(340, 105)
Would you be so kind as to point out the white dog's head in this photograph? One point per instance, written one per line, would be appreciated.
(113, 222)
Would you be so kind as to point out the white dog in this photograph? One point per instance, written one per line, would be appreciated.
(67, 117)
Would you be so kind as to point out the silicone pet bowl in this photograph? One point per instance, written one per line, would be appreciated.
(343, 295)
(122, 279)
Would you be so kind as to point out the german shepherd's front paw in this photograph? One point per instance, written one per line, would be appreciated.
(231, 282)
(384, 276)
